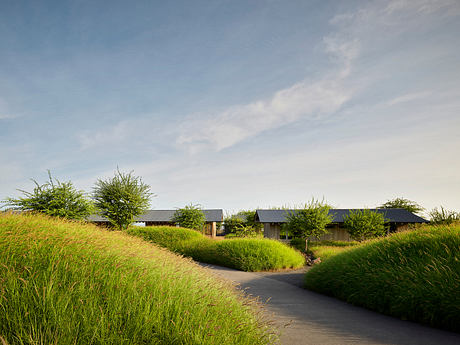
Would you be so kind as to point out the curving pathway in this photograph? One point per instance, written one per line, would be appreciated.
(305, 317)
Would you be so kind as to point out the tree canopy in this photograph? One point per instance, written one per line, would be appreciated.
(190, 216)
(310, 221)
(364, 224)
(406, 204)
(121, 198)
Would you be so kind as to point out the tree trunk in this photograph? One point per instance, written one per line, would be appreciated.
(306, 245)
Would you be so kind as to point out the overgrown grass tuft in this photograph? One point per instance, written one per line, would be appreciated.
(68, 283)
(247, 254)
(413, 275)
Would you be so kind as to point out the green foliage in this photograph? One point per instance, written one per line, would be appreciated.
(406, 204)
(242, 254)
(310, 221)
(443, 216)
(73, 283)
(243, 224)
(364, 224)
(191, 217)
(412, 275)
(121, 198)
(54, 198)
(244, 231)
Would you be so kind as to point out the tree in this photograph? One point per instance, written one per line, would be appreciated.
(309, 221)
(364, 224)
(54, 198)
(406, 204)
(121, 198)
(242, 220)
(191, 216)
(443, 216)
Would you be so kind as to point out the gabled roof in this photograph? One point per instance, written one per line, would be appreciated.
(392, 215)
(216, 215)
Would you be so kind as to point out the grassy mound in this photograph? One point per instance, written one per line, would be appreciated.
(327, 249)
(412, 275)
(243, 254)
(68, 283)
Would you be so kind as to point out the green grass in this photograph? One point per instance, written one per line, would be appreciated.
(247, 254)
(327, 249)
(413, 275)
(66, 283)
(322, 249)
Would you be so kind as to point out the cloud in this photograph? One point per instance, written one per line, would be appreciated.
(312, 100)
(408, 97)
(108, 136)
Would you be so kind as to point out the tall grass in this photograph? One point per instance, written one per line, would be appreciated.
(412, 275)
(327, 249)
(67, 283)
(247, 254)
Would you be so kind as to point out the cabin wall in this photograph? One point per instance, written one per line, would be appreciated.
(272, 230)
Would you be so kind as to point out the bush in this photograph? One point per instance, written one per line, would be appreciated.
(364, 224)
(242, 254)
(311, 221)
(121, 198)
(443, 216)
(243, 224)
(53, 198)
(191, 217)
(412, 275)
(68, 283)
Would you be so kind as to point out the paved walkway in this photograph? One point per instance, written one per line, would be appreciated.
(305, 317)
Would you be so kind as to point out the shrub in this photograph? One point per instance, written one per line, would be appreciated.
(68, 283)
(242, 254)
(53, 198)
(309, 221)
(406, 204)
(443, 216)
(242, 224)
(364, 224)
(121, 198)
(412, 275)
(191, 217)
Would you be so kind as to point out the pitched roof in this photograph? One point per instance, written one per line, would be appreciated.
(396, 215)
(215, 215)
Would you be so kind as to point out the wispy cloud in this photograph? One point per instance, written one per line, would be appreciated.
(408, 97)
(306, 99)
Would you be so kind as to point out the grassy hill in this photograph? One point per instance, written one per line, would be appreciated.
(413, 275)
(247, 254)
(68, 283)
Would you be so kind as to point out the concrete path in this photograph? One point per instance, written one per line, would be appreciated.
(305, 317)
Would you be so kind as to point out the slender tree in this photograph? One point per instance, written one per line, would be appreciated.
(310, 221)
(121, 198)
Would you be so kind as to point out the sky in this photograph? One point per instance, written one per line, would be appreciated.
(235, 104)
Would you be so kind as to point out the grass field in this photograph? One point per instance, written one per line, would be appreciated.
(67, 283)
(247, 254)
(413, 275)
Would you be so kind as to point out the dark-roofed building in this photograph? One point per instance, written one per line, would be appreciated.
(396, 218)
(163, 217)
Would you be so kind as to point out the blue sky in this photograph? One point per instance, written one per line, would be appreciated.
(235, 104)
